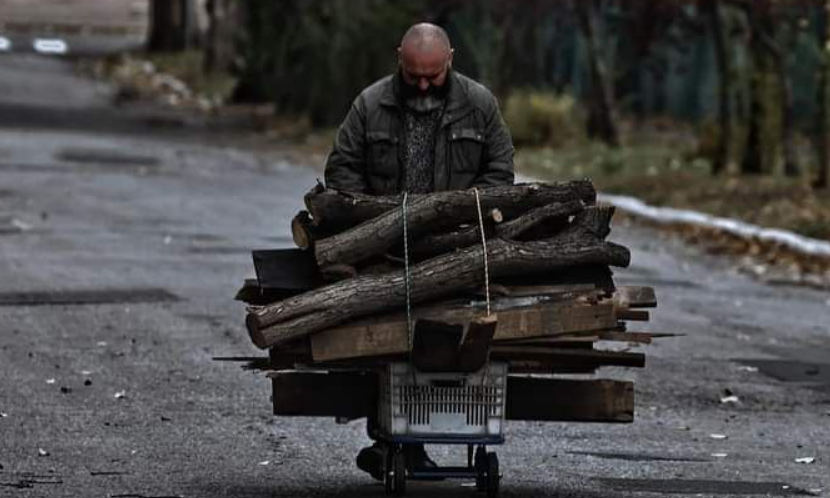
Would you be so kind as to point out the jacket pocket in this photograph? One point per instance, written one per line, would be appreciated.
(466, 148)
(383, 154)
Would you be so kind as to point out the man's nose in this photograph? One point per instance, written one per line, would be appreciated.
(423, 84)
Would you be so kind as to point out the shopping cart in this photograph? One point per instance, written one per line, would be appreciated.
(441, 408)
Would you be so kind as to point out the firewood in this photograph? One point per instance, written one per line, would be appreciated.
(341, 210)
(432, 213)
(432, 245)
(432, 279)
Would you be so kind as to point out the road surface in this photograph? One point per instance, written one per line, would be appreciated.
(119, 397)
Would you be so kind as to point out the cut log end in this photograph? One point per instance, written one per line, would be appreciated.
(300, 230)
(254, 331)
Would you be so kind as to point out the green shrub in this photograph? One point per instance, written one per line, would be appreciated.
(537, 117)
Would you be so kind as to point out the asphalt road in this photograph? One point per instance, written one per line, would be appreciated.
(119, 397)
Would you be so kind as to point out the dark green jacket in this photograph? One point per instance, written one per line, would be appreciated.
(473, 146)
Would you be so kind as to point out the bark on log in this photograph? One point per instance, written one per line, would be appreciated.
(434, 278)
(432, 245)
(338, 211)
(435, 212)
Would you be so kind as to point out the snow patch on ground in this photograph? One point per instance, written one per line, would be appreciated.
(798, 243)
(667, 215)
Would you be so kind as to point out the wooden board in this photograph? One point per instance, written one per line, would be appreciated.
(566, 400)
(475, 347)
(635, 297)
(389, 338)
(354, 395)
(569, 356)
(334, 394)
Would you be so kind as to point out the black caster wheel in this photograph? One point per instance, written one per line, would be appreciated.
(395, 473)
(388, 482)
(480, 464)
(493, 476)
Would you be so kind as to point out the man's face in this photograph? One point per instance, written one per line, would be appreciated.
(425, 70)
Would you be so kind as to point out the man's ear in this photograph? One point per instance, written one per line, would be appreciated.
(449, 60)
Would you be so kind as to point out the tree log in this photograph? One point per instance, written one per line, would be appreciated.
(434, 212)
(301, 227)
(432, 245)
(338, 211)
(431, 279)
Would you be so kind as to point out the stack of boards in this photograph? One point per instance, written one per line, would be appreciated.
(518, 273)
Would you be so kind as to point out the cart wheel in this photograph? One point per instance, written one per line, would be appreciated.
(388, 480)
(399, 473)
(493, 476)
(481, 468)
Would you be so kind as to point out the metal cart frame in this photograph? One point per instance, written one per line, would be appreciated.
(446, 408)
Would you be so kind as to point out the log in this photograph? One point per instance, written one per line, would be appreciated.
(301, 230)
(432, 245)
(432, 279)
(388, 335)
(435, 212)
(338, 211)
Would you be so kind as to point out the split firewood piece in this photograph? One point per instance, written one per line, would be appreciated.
(432, 279)
(431, 245)
(430, 213)
(341, 210)
(475, 347)
(435, 345)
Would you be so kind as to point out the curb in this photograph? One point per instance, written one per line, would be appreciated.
(665, 215)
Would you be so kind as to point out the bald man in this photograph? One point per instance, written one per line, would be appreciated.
(425, 128)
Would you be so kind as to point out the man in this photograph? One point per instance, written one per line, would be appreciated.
(423, 129)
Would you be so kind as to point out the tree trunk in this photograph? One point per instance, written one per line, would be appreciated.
(168, 25)
(226, 24)
(720, 162)
(602, 122)
(432, 279)
(765, 146)
(823, 179)
(432, 213)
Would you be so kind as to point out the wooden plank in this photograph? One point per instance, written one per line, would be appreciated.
(635, 297)
(566, 400)
(603, 335)
(632, 315)
(286, 270)
(333, 394)
(569, 356)
(354, 395)
(383, 338)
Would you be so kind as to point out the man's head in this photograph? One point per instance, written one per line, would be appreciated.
(425, 57)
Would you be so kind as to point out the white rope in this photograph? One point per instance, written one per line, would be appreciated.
(484, 247)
